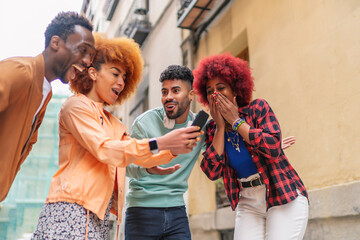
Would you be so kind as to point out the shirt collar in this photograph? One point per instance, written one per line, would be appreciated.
(100, 105)
(46, 86)
(244, 110)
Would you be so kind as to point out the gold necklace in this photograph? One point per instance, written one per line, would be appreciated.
(234, 141)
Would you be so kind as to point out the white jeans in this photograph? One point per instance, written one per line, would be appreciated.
(285, 222)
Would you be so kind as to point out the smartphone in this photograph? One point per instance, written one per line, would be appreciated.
(200, 119)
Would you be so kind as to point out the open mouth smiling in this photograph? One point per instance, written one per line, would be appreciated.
(170, 106)
(74, 69)
(78, 67)
(116, 91)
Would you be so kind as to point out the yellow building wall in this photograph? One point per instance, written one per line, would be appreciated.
(304, 57)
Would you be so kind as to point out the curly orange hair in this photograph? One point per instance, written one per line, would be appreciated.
(123, 51)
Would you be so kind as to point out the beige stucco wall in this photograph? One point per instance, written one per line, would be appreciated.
(305, 60)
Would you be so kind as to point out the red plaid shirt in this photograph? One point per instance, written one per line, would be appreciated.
(277, 174)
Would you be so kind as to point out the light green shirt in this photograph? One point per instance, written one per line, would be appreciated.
(148, 190)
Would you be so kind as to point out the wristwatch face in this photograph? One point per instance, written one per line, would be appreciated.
(153, 146)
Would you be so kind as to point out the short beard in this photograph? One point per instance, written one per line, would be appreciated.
(181, 110)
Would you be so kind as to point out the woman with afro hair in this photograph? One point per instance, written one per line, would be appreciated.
(94, 147)
(243, 143)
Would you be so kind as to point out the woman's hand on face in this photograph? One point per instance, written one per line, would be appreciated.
(215, 113)
(228, 109)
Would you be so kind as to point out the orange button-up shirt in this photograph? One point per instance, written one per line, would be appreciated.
(94, 148)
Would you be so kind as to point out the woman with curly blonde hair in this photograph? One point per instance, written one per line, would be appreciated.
(95, 148)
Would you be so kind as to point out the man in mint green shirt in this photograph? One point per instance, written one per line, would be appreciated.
(155, 203)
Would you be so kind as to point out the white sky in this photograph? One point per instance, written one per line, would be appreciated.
(22, 27)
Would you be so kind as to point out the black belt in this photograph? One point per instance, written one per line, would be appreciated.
(253, 183)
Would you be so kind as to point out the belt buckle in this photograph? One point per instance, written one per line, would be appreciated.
(251, 182)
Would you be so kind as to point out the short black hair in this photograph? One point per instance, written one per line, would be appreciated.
(177, 72)
(64, 24)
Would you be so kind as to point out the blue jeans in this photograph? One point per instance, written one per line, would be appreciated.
(143, 223)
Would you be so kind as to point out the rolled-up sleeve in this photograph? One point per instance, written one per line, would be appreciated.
(266, 137)
(212, 164)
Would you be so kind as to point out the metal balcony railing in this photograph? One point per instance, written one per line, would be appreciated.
(193, 12)
(184, 5)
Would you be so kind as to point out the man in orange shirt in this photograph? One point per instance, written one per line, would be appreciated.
(25, 88)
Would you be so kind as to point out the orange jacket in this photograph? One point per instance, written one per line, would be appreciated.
(94, 148)
(21, 92)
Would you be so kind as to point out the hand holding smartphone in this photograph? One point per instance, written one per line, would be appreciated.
(200, 119)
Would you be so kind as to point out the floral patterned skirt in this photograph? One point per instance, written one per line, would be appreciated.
(63, 220)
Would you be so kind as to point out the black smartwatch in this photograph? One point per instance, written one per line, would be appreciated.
(153, 145)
